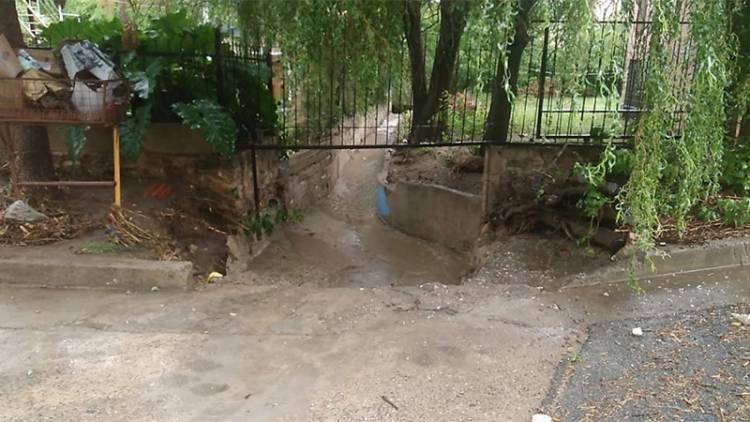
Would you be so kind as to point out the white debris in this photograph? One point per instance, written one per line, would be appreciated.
(22, 212)
(233, 314)
(743, 318)
(155, 289)
(638, 332)
(605, 294)
(541, 418)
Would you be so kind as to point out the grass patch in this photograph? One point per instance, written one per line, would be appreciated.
(101, 248)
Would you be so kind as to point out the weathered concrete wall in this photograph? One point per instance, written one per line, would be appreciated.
(173, 152)
(431, 212)
(519, 171)
(161, 138)
(310, 175)
(181, 157)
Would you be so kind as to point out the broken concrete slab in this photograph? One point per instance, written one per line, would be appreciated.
(95, 272)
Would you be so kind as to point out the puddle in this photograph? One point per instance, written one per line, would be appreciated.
(342, 242)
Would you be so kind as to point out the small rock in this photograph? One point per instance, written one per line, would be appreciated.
(155, 289)
(541, 418)
(29, 373)
(605, 294)
(193, 249)
(638, 332)
(233, 314)
(743, 318)
(22, 212)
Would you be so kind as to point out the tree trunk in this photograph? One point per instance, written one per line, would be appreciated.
(739, 120)
(743, 74)
(498, 118)
(30, 143)
(426, 100)
(9, 25)
(415, 44)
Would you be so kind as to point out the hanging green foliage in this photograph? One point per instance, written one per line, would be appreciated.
(640, 200)
(699, 151)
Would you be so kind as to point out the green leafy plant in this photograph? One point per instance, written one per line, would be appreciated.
(735, 175)
(174, 62)
(291, 215)
(258, 226)
(595, 175)
(706, 213)
(266, 222)
(133, 132)
(216, 126)
(735, 212)
(75, 140)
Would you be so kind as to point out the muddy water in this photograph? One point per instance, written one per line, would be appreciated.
(343, 243)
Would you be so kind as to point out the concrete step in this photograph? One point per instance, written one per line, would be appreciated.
(95, 272)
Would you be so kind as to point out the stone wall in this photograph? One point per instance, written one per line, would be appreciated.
(515, 172)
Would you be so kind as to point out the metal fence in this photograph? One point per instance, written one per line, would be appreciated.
(573, 89)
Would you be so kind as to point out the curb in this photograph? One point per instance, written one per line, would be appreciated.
(96, 272)
(673, 259)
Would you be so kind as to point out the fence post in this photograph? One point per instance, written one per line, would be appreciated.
(542, 80)
(256, 189)
(219, 59)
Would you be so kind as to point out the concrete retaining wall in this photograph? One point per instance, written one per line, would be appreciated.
(310, 175)
(431, 212)
(672, 259)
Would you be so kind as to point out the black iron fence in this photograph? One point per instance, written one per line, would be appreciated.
(573, 88)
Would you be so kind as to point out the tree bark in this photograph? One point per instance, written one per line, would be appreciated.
(415, 44)
(498, 118)
(426, 100)
(33, 158)
(743, 77)
(739, 120)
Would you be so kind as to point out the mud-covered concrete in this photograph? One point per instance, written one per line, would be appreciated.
(277, 354)
(472, 352)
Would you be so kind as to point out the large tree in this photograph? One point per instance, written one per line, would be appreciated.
(426, 97)
(498, 119)
(740, 88)
(30, 144)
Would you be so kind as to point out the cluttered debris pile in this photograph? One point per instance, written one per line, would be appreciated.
(75, 82)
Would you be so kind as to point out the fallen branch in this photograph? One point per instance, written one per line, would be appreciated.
(385, 399)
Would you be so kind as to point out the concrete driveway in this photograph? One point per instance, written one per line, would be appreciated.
(471, 352)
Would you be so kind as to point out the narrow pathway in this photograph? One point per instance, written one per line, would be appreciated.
(342, 242)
